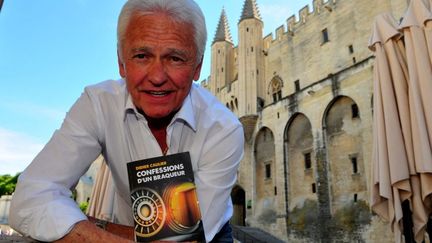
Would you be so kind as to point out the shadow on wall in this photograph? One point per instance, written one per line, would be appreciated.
(265, 211)
(346, 223)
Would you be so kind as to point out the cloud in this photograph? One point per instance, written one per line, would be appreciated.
(17, 150)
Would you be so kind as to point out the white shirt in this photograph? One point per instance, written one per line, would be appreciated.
(104, 120)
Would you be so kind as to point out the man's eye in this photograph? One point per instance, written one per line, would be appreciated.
(176, 59)
(140, 56)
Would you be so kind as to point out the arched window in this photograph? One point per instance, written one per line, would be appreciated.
(276, 88)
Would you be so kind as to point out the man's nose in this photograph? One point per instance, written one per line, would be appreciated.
(157, 73)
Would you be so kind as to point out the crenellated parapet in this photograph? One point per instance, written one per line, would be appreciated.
(280, 32)
(305, 15)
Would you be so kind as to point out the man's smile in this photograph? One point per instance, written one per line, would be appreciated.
(156, 93)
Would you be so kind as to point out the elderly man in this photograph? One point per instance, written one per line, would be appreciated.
(155, 109)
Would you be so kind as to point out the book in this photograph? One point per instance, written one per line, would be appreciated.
(164, 200)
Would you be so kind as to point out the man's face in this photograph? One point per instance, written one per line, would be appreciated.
(159, 63)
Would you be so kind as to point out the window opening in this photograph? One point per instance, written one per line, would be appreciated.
(297, 85)
(307, 160)
(276, 89)
(325, 36)
(354, 165)
(355, 111)
(267, 171)
(351, 49)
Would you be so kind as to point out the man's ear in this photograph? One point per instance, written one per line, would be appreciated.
(198, 70)
(121, 65)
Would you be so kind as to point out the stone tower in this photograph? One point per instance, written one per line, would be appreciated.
(250, 64)
(222, 56)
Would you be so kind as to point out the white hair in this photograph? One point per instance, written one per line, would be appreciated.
(182, 11)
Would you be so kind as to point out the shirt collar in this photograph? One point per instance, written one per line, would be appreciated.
(186, 112)
(130, 107)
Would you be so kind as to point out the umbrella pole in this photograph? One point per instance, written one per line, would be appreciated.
(407, 223)
(429, 228)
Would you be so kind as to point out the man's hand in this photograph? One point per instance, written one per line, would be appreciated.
(87, 231)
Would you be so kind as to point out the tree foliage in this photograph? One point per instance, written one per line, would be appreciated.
(7, 184)
(83, 206)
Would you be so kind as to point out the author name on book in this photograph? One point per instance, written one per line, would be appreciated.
(158, 171)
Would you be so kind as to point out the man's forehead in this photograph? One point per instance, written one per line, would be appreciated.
(171, 50)
(150, 27)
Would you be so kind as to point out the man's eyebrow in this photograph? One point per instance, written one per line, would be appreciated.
(180, 52)
(141, 49)
(170, 51)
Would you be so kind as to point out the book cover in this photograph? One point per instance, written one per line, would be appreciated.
(164, 200)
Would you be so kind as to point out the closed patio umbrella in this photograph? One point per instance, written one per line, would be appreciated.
(102, 198)
(416, 27)
(405, 175)
(391, 177)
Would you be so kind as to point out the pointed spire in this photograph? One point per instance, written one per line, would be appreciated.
(223, 31)
(250, 10)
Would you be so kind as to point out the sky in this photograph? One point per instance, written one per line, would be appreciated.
(51, 49)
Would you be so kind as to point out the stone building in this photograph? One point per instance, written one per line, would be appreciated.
(304, 97)
(4, 208)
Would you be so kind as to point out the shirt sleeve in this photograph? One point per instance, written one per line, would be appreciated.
(42, 206)
(216, 176)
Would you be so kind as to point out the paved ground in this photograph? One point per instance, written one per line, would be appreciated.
(254, 235)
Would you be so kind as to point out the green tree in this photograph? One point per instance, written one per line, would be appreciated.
(83, 206)
(7, 184)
